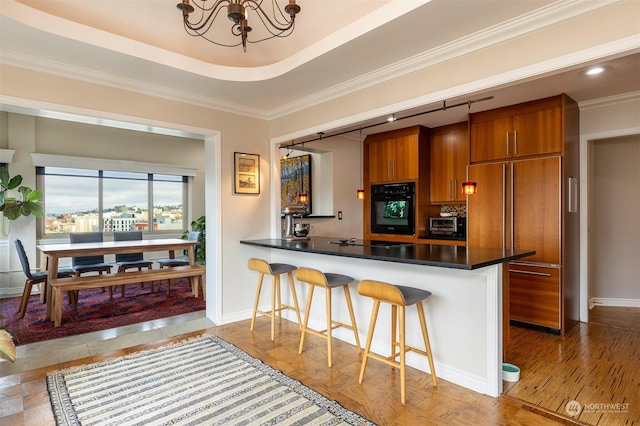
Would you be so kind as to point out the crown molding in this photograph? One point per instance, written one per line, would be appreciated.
(137, 86)
(544, 17)
(609, 101)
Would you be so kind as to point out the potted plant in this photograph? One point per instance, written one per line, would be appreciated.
(13, 208)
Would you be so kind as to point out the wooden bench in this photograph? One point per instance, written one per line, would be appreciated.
(60, 285)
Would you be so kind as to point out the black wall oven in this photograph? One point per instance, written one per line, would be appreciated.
(393, 208)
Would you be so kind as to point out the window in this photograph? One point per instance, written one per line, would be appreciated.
(82, 200)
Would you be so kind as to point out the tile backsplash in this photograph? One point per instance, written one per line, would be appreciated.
(461, 209)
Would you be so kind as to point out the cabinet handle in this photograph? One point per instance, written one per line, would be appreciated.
(449, 189)
(507, 144)
(515, 142)
(393, 169)
(541, 274)
(389, 170)
(512, 209)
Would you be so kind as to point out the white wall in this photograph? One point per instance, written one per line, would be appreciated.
(335, 180)
(607, 118)
(615, 214)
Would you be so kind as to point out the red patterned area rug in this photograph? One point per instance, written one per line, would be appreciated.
(96, 311)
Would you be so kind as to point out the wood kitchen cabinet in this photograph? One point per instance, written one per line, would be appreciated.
(448, 162)
(398, 156)
(524, 130)
(394, 156)
(517, 206)
(521, 159)
(534, 296)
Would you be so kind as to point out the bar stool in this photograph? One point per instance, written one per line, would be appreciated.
(328, 281)
(274, 270)
(398, 297)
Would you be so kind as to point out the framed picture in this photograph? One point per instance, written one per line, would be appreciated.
(295, 179)
(247, 173)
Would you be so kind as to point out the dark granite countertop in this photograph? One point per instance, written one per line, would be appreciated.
(456, 257)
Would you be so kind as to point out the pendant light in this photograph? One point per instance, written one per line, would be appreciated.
(360, 192)
(469, 188)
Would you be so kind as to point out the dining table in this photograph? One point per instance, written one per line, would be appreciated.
(52, 253)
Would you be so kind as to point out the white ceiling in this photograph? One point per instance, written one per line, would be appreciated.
(337, 46)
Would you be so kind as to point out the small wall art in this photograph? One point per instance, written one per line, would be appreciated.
(247, 173)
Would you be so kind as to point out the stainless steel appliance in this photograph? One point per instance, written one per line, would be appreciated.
(293, 232)
(393, 208)
(449, 227)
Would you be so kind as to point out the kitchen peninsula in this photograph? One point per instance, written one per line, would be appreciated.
(464, 315)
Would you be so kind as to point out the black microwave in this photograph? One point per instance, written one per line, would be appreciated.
(393, 208)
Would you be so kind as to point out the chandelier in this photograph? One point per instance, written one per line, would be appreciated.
(278, 25)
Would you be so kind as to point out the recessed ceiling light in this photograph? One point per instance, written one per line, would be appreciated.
(595, 70)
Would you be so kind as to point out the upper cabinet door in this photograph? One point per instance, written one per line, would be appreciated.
(490, 140)
(380, 160)
(526, 130)
(537, 133)
(394, 158)
(449, 159)
(405, 162)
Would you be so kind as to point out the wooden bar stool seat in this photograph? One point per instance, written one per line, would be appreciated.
(328, 281)
(274, 270)
(399, 297)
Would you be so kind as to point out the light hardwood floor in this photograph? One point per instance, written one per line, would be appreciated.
(597, 366)
(616, 316)
(24, 399)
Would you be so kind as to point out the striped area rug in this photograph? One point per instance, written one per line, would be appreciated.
(202, 381)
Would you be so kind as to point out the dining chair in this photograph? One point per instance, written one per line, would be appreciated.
(184, 260)
(179, 261)
(86, 264)
(131, 260)
(34, 278)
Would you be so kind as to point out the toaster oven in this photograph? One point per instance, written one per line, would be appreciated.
(450, 227)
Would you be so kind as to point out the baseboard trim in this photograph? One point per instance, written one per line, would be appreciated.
(604, 301)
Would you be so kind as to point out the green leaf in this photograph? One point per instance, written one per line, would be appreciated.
(34, 195)
(4, 176)
(34, 208)
(14, 182)
(12, 213)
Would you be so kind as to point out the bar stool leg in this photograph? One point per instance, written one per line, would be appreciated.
(255, 304)
(329, 325)
(275, 293)
(425, 334)
(295, 298)
(347, 296)
(403, 354)
(306, 319)
(367, 349)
